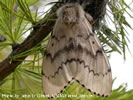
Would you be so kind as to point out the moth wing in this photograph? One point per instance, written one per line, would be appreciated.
(57, 72)
(94, 72)
(78, 56)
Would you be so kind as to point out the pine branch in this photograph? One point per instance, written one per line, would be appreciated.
(37, 35)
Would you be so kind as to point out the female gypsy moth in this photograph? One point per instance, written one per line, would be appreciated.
(74, 53)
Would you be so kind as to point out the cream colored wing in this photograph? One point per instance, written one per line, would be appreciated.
(75, 53)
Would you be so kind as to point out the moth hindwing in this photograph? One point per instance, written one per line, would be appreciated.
(75, 53)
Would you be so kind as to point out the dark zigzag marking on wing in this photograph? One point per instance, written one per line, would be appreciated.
(76, 60)
(54, 37)
(91, 34)
(65, 86)
(79, 35)
(72, 47)
(98, 94)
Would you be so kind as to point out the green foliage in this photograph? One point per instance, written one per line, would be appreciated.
(16, 18)
(113, 32)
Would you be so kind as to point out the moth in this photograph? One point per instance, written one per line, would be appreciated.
(74, 53)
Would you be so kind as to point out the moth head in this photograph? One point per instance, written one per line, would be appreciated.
(70, 13)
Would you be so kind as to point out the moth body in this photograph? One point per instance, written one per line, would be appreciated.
(74, 53)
